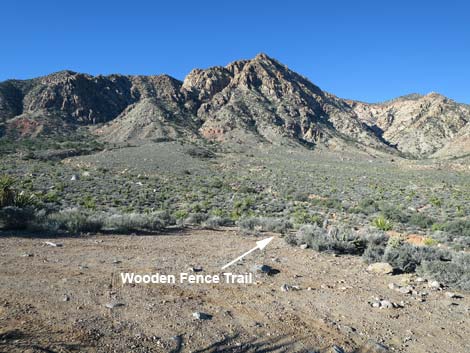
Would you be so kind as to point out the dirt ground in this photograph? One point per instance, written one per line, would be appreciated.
(53, 299)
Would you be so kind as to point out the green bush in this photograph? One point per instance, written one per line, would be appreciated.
(301, 216)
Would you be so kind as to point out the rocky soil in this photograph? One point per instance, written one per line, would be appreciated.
(70, 298)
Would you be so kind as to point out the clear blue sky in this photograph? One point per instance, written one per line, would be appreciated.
(368, 50)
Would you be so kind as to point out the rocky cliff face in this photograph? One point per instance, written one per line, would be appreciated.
(264, 99)
(257, 100)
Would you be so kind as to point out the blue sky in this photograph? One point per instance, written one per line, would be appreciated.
(366, 50)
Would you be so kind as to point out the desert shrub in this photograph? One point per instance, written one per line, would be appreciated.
(366, 206)
(291, 239)
(332, 203)
(266, 224)
(200, 152)
(181, 214)
(420, 220)
(245, 189)
(89, 202)
(435, 201)
(73, 221)
(395, 242)
(249, 223)
(460, 243)
(300, 196)
(407, 257)
(242, 207)
(395, 214)
(437, 227)
(458, 227)
(376, 237)
(276, 225)
(301, 216)
(376, 244)
(129, 222)
(165, 216)
(441, 236)
(195, 218)
(382, 223)
(336, 240)
(455, 273)
(12, 217)
(373, 253)
(430, 241)
(217, 221)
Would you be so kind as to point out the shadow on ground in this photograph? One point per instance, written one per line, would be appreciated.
(233, 344)
(18, 341)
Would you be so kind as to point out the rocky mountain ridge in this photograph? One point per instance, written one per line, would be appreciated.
(248, 101)
(419, 125)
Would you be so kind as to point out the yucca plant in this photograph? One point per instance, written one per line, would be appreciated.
(382, 223)
(7, 193)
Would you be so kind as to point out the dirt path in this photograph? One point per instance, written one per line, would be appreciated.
(54, 300)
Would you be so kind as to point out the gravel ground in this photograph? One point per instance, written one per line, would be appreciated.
(54, 299)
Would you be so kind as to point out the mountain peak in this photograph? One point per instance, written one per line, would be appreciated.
(263, 57)
(258, 99)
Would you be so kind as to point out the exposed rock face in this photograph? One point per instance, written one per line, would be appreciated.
(257, 100)
(163, 110)
(417, 125)
(264, 98)
(78, 97)
(457, 146)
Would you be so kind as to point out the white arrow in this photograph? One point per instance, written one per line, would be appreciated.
(259, 245)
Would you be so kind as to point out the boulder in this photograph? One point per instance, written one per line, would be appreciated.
(381, 268)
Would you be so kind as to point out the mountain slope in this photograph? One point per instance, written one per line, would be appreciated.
(248, 101)
(417, 125)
